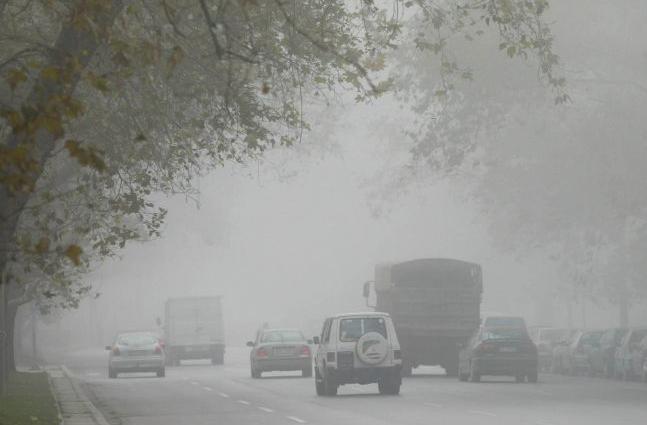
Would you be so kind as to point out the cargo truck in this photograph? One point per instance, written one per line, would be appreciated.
(435, 305)
(193, 329)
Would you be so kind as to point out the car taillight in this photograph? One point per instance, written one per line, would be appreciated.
(115, 351)
(305, 351)
(261, 352)
(485, 347)
(158, 349)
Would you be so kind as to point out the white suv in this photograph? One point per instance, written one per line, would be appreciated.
(358, 348)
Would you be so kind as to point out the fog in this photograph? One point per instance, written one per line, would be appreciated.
(519, 148)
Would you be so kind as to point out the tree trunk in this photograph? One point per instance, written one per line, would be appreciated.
(73, 43)
(12, 310)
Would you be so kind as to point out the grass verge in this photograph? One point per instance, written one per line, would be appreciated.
(28, 401)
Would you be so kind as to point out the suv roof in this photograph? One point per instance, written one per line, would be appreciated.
(361, 314)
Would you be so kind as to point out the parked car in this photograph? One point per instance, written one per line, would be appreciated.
(136, 352)
(629, 357)
(507, 351)
(576, 358)
(280, 350)
(560, 350)
(358, 348)
(546, 339)
(643, 346)
(602, 356)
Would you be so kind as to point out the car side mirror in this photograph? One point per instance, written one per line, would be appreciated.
(108, 347)
(315, 339)
(250, 344)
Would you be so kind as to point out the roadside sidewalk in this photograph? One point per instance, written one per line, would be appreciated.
(74, 405)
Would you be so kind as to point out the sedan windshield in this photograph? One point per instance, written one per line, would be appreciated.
(282, 336)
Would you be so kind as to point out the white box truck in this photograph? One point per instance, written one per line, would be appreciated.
(194, 329)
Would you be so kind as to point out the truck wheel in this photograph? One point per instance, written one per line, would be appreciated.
(451, 370)
(474, 376)
(319, 386)
(218, 359)
(462, 376)
(330, 386)
(533, 377)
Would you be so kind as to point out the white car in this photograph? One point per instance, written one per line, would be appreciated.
(358, 348)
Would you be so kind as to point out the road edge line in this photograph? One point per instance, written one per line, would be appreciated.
(96, 413)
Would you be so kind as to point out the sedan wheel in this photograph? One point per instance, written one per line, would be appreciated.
(474, 376)
(254, 372)
(319, 386)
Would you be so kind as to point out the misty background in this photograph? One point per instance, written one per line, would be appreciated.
(290, 240)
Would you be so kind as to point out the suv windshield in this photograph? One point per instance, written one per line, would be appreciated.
(282, 336)
(353, 329)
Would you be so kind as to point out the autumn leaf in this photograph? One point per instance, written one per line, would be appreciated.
(73, 252)
(42, 246)
(14, 77)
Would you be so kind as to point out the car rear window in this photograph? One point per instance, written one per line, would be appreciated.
(500, 322)
(136, 339)
(282, 336)
(504, 333)
(353, 329)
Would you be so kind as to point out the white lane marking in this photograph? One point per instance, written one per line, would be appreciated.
(433, 404)
(223, 395)
(207, 388)
(482, 412)
(295, 419)
(245, 402)
(265, 409)
(195, 383)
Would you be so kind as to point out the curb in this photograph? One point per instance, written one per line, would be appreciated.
(84, 411)
(61, 421)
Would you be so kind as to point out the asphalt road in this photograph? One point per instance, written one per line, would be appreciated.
(198, 393)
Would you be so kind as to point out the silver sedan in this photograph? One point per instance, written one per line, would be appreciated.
(280, 350)
(136, 352)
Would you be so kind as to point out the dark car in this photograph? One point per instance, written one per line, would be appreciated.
(576, 358)
(499, 351)
(280, 350)
(602, 356)
(629, 355)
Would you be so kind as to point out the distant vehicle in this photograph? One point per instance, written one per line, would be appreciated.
(629, 355)
(500, 321)
(602, 356)
(546, 339)
(435, 305)
(358, 348)
(280, 350)
(576, 358)
(499, 351)
(136, 352)
(194, 329)
(560, 351)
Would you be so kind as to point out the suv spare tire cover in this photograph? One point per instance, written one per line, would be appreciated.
(372, 348)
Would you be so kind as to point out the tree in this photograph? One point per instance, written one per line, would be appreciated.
(108, 102)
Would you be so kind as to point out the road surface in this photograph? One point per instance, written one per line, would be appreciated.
(198, 393)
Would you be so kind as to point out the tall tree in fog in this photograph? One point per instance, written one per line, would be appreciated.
(564, 182)
(103, 103)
